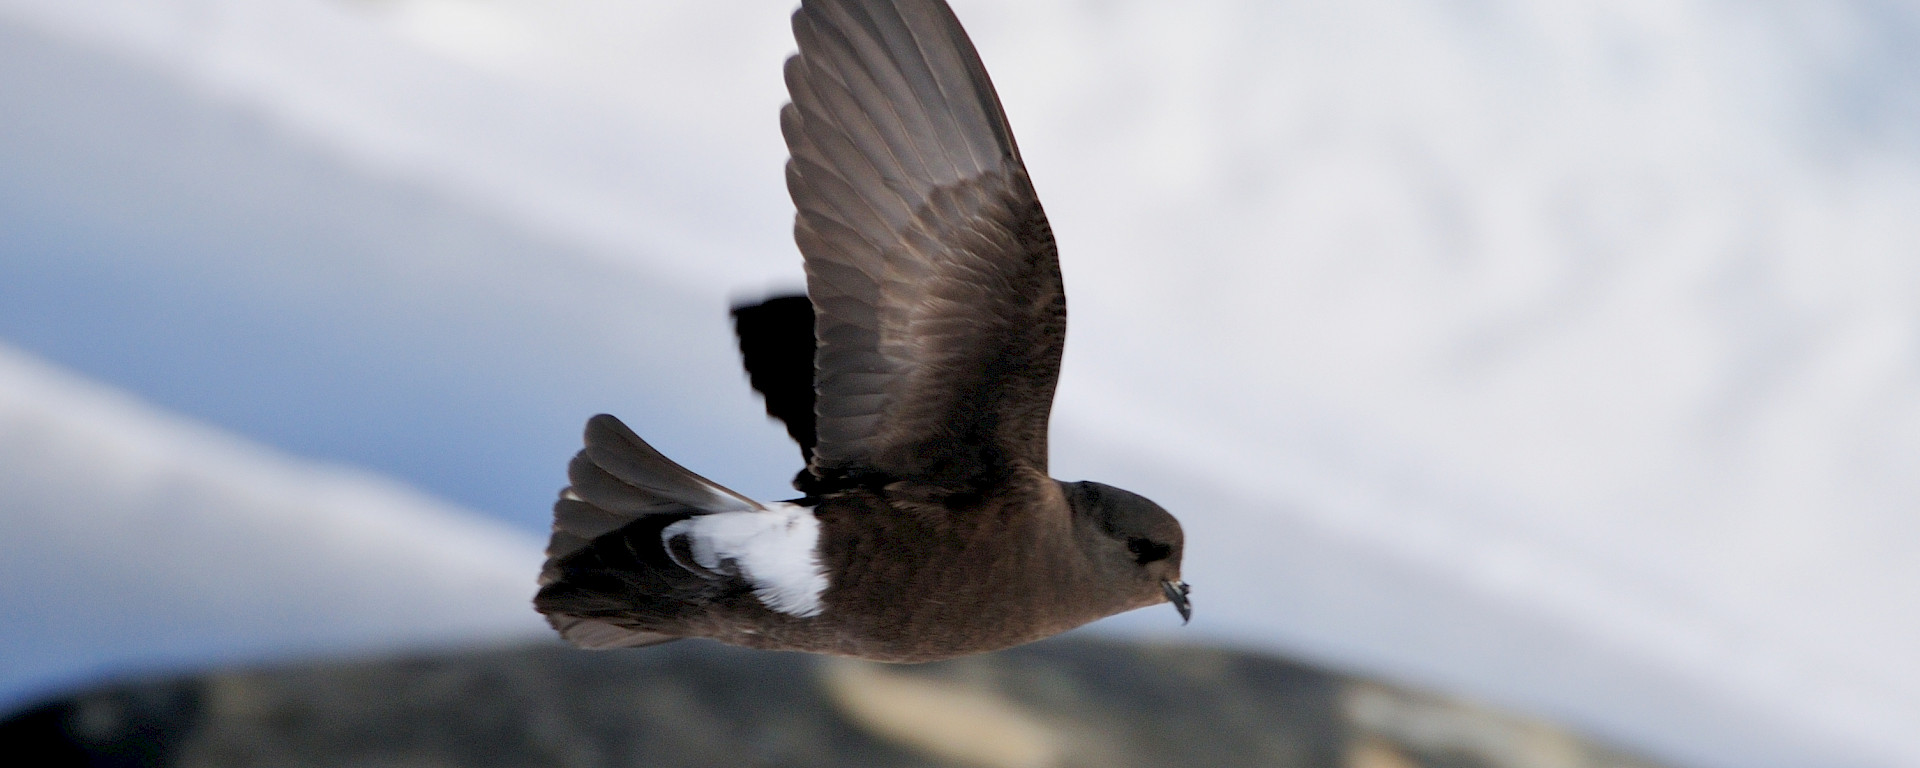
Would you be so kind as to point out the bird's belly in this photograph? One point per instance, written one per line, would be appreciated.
(924, 596)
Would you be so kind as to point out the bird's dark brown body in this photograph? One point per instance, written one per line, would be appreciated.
(919, 581)
(918, 377)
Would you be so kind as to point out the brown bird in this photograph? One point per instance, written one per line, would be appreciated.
(917, 375)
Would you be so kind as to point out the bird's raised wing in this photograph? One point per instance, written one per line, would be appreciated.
(939, 310)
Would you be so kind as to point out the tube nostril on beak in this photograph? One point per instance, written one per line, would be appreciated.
(1176, 592)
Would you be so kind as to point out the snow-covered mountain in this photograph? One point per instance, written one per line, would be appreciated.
(1564, 355)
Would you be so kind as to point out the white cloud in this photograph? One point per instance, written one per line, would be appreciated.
(139, 541)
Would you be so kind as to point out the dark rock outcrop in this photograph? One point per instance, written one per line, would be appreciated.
(1068, 702)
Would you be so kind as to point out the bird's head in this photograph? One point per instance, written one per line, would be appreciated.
(1136, 542)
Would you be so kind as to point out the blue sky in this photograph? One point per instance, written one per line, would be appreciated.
(186, 250)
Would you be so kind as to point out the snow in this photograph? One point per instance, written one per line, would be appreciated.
(1562, 355)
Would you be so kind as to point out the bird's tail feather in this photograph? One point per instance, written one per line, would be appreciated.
(621, 489)
(618, 479)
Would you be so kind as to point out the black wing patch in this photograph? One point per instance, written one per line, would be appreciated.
(776, 346)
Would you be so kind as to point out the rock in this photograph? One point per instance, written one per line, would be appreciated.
(1059, 704)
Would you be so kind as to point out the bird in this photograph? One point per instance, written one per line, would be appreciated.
(917, 374)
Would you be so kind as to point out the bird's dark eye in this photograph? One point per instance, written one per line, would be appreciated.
(1146, 550)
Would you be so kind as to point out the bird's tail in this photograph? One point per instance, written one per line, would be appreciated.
(606, 570)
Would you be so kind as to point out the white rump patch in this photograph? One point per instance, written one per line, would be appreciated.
(776, 549)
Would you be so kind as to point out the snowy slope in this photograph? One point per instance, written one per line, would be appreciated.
(1563, 355)
(137, 541)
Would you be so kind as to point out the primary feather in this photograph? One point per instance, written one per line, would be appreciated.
(933, 273)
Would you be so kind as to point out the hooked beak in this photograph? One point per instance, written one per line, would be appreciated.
(1177, 594)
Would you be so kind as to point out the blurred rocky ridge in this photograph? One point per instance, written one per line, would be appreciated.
(1066, 702)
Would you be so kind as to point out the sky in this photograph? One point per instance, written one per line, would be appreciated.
(139, 542)
(1564, 356)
